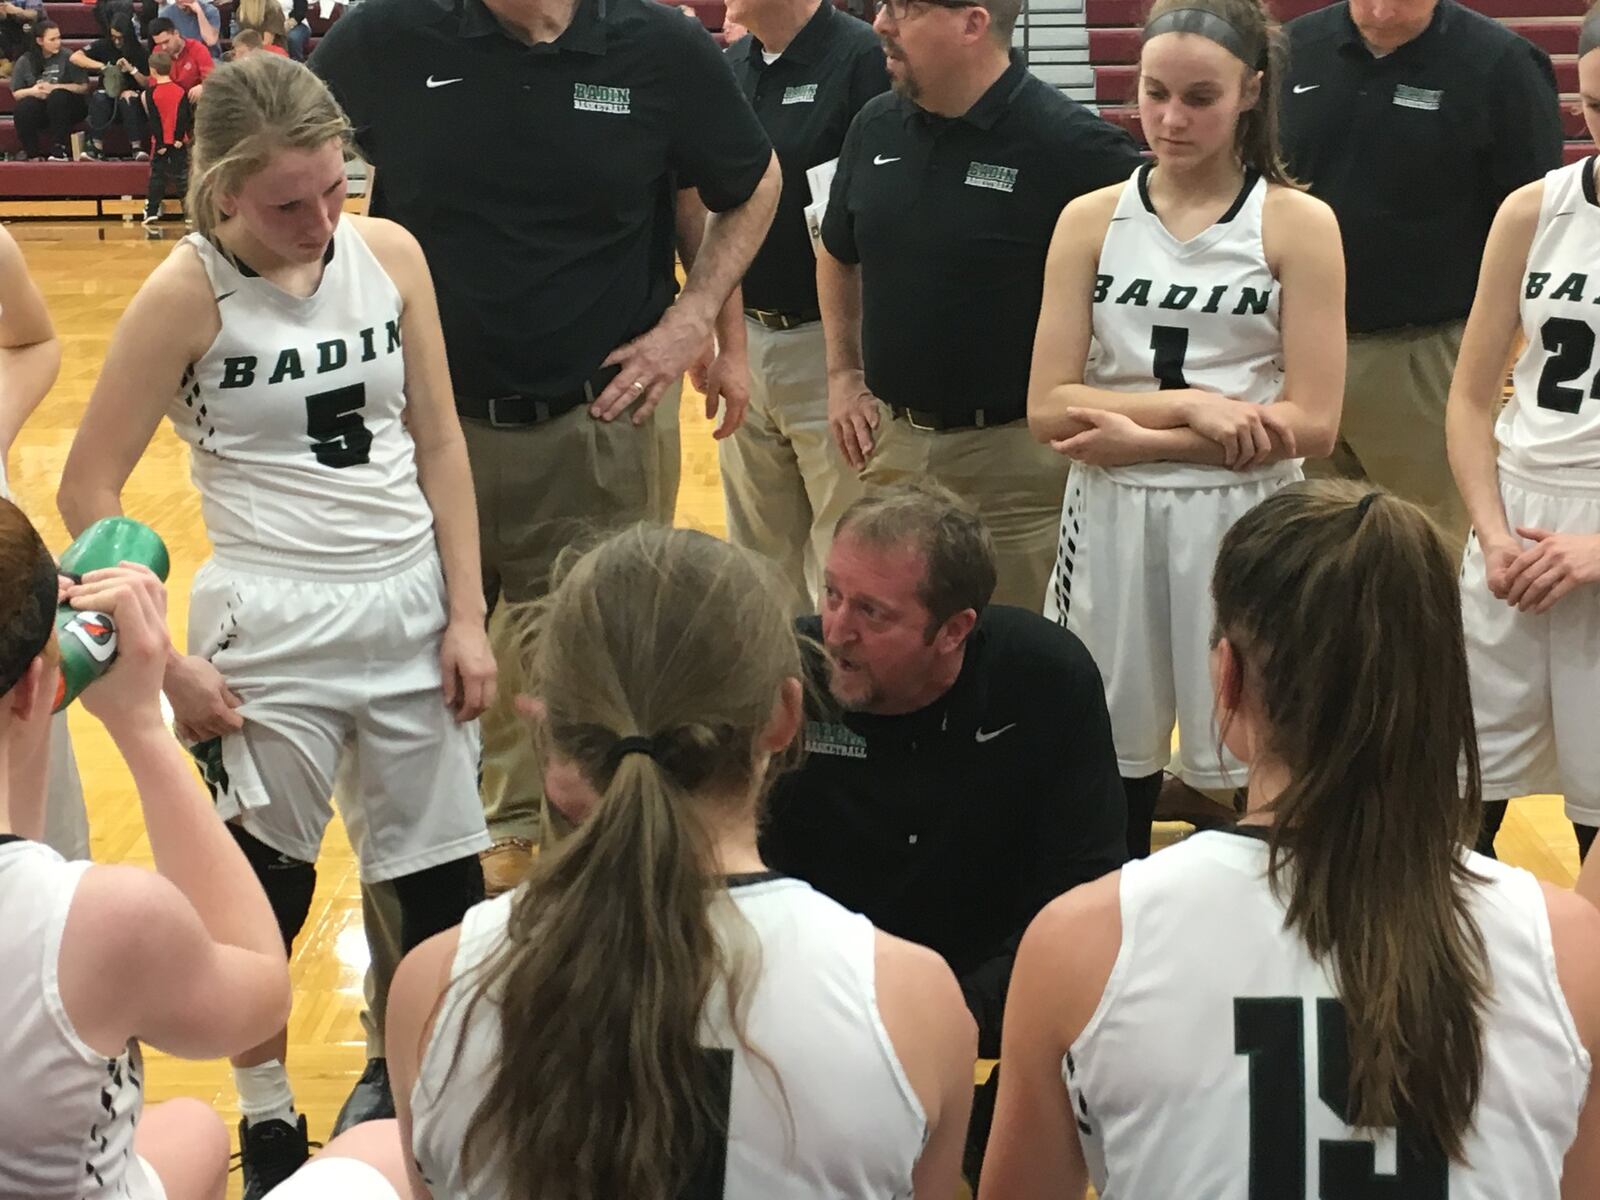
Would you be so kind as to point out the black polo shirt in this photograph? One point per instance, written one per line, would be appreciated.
(541, 180)
(954, 825)
(950, 219)
(1415, 151)
(805, 101)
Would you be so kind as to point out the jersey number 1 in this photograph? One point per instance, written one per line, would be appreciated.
(1171, 344)
(1570, 345)
(1271, 1033)
(339, 437)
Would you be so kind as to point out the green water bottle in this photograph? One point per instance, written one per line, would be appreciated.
(88, 640)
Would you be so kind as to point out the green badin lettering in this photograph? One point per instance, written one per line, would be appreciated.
(594, 97)
(987, 175)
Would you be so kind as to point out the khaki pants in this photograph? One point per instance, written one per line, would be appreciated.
(539, 490)
(784, 483)
(1015, 483)
(1392, 431)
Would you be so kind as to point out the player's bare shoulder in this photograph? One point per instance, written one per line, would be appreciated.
(1293, 220)
(178, 298)
(395, 247)
(1087, 217)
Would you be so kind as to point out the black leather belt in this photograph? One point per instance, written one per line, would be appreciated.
(783, 320)
(519, 412)
(934, 422)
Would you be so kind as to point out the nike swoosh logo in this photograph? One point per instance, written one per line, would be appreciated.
(439, 83)
(1302, 88)
(225, 295)
(989, 735)
(878, 160)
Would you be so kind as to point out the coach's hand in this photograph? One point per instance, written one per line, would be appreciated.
(1244, 431)
(128, 695)
(650, 364)
(852, 415)
(727, 380)
(1554, 565)
(469, 669)
(202, 704)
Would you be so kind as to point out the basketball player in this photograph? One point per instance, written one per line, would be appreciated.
(1332, 999)
(1530, 477)
(99, 959)
(298, 352)
(30, 359)
(1189, 350)
(654, 1014)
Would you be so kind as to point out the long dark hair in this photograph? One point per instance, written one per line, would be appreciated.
(1257, 135)
(36, 51)
(1344, 610)
(602, 1088)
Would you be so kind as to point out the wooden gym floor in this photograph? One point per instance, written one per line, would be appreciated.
(88, 271)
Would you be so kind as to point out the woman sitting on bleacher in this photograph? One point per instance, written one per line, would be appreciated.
(124, 67)
(50, 89)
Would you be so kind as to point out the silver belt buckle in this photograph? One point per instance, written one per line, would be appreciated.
(915, 424)
(494, 413)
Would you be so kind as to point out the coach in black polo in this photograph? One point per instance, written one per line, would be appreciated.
(1413, 119)
(807, 68)
(940, 217)
(535, 148)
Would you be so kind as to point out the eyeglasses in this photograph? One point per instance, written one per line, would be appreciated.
(899, 10)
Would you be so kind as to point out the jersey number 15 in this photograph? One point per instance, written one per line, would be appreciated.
(1271, 1033)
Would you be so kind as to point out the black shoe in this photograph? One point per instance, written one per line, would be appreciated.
(270, 1152)
(370, 1100)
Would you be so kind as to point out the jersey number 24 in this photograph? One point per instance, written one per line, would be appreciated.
(1270, 1031)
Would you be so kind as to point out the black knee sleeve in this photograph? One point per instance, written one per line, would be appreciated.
(1142, 794)
(1494, 812)
(436, 899)
(287, 881)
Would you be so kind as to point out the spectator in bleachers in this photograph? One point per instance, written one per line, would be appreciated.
(50, 90)
(16, 30)
(123, 63)
(170, 118)
(285, 20)
(191, 63)
(249, 41)
(197, 20)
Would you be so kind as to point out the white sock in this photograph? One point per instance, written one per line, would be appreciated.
(264, 1093)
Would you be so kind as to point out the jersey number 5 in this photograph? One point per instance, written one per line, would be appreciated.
(1271, 1032)
(339, 437)
(1570, 345)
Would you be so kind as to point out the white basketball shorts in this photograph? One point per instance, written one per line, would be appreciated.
(1133, 581)
(343, 694)
(335, 1179)
(1536, 677)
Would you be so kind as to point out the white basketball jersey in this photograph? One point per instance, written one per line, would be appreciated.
(67, 1112)
(294, 419)
(858, 1127)
(1201, 313)
(1553, 419)
(1213, 1063)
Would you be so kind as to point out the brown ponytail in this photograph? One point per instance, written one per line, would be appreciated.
(603, 1089)
(1257, 135)
(1344, 610)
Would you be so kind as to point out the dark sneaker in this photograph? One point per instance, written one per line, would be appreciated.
(270, 1152)
(370, 1100)
(59, 154)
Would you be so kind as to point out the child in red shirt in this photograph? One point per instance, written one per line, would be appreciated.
(167, 107)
